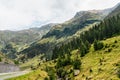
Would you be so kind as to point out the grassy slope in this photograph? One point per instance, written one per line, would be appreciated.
(31, 62)
(106, 69)
(109, 59)
(35, 75)
(36, 59)
(5, 59)
(63, 33)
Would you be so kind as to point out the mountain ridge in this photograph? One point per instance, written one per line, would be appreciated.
(18, 40)
(64, 32)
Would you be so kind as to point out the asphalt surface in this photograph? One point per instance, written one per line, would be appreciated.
(4, 76)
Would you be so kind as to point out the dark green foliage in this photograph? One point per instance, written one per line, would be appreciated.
(54, 32)
(37, 49)
(118, 73)
(52, 76)
(68, 31)
(33, 67)
(0, 59)
(74, 44)
(90, 70)
(51, 73)
(16, 62)
(61, 72)
(115, 41)
(63, 61)
(98, 45)
(76, 64)
(106, 29)
(110, 49)
(84, 48)
(9, 50)
(46, 78)
(118, 69)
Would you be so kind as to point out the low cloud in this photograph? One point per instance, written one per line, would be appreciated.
(22, 14)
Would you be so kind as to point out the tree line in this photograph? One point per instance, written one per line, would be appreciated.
(107, 28)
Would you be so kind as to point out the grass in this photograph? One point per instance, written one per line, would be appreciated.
(32, 62)
(35, 75)
(101, 62)
(5, 59)
(46, 40)
(96, 65)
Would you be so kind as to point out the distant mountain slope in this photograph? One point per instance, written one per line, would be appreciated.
(107, 28)
(92, 56)
(79, 21)
(115, 11)
(21, 39)
(4, 59)
(64, 32)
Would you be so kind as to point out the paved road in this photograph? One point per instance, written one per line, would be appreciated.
(4, 76)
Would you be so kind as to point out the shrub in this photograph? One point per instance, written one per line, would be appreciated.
(98, 45)
(110, 49)
(63, 61)
(118, 73)
(0, 59)
(51, 73)
(76, 64)
(90, 70)
(16, 62)
(115, 41)
(46, 78)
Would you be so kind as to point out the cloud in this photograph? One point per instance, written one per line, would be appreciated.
(21, 14)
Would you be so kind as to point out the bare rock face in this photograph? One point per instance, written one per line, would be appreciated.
(4, 68)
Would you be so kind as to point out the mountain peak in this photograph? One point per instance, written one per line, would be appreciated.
(81, 13)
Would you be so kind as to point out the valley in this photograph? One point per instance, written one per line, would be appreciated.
(85, 47)
(102, 64)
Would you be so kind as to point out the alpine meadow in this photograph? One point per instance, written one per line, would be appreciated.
(60, 40)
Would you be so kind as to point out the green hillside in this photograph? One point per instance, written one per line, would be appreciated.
(65, 32)
(5, 59)
(96, 65)
(12, 42)
(83, 48)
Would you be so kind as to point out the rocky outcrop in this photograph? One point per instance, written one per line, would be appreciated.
(76, 72)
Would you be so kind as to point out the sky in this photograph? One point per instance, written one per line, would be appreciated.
(24, 14)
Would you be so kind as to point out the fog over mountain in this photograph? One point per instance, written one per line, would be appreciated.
(24, 14)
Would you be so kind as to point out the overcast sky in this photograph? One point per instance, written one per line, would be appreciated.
(23, 14)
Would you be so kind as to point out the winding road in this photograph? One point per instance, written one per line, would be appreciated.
(4, 76)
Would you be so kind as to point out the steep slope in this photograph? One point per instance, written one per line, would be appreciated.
(79, 21)
(115, 11)
(4, 59)
(107, 28)
(96, 65)
(92, 56)
(15, 41)
(64, 32)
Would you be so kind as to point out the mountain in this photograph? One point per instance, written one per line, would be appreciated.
(94, 55)
(96, 65)
(15, 41)
(63, 33)
(107, 28)
(79, 21)
(115, 11)
(4, 59)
